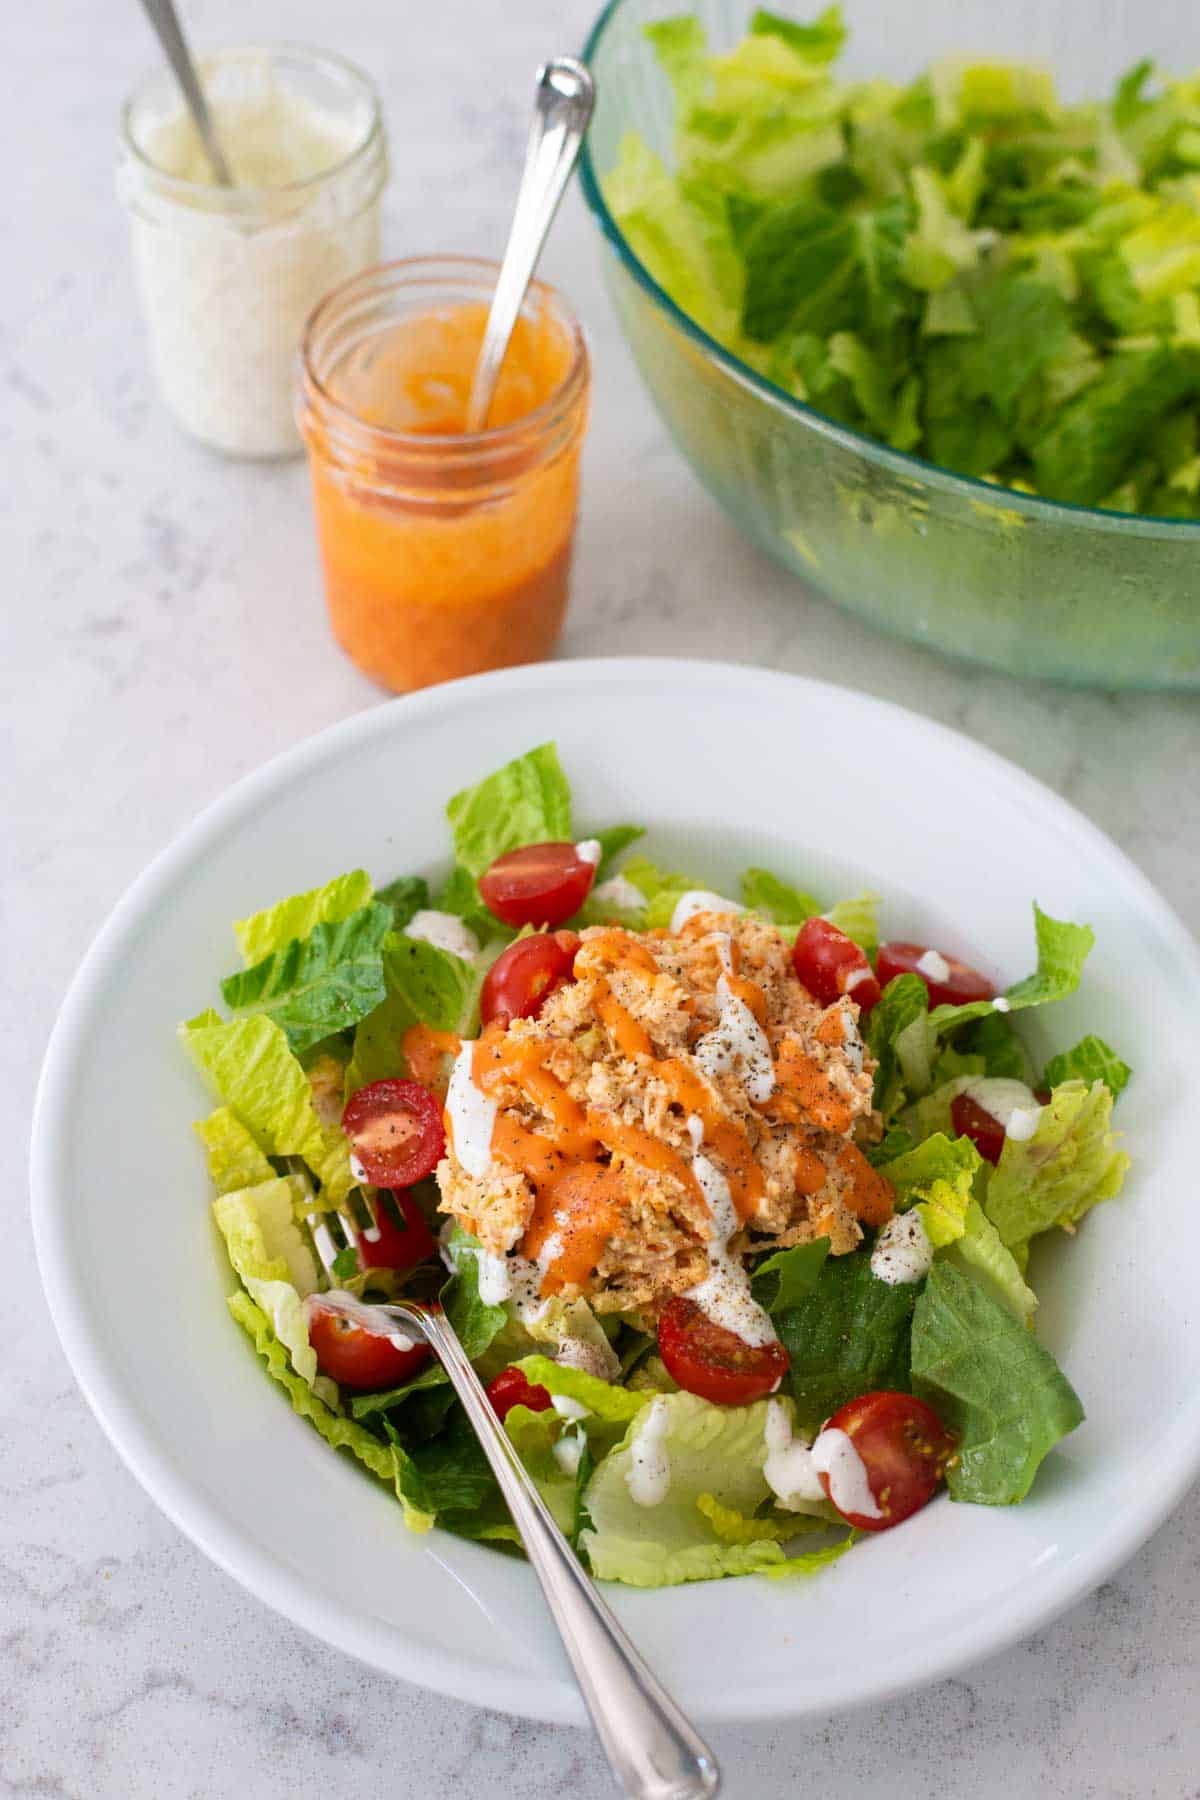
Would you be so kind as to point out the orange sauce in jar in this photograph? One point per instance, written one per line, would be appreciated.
(445, 553)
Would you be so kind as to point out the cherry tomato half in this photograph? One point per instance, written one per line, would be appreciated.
(959, 984)
(355, 1357)
(511, 1388)
(970, 1120)
(526, 974)
(396, 1130)
(904, 1447)
(542, 884)
(390, 1246)
(831, 965)
(708, 1360)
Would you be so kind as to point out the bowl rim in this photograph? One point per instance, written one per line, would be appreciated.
(898, 462)
(256, 1566)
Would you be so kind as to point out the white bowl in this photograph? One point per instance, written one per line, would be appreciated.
(726, 766)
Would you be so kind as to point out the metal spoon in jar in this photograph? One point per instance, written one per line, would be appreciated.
(563, 105)
(165, 20)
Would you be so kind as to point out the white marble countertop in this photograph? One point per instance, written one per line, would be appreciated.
(163, 634)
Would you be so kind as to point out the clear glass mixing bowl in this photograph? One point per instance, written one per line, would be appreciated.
(1035, 587)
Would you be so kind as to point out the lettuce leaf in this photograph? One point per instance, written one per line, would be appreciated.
(295, 917)
(848, 1335)
(1062, 949)
(533, 1436)
(938, 1178)
(342, 1433)
(613, 839)
(776, 901)
(1069, 1164)
(904, 1002)
(528, 801)
(718, 1451)
(249, 1063)
(662, 889)
(992, 1383)
(1090, 1060)
(234, 1159)
(783, 1279)
(275, 1264)
(407, 895)
(859, 919)
(422, 984)
(321, 984)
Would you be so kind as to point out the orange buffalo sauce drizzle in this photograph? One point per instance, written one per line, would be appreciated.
(424, 1049)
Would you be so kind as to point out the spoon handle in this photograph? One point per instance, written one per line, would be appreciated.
(562, 108)
(165, 20)
(653, 1750)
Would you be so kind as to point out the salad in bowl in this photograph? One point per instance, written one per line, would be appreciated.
(729, 1199)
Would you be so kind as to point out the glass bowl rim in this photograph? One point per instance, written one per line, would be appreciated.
(898, 462)
(245, 198)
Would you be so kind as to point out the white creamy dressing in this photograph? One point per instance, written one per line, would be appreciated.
(445, 931)
(590, 850)
(1001, 1004)
(934, 966)
(700, 900)
(834, 1455)
(724, 1294)
(737, 1044)
(567, 1451)
(360, 1175)
(903, 1252)
(228, 280)
(1012, 1104)
(620, 894)
(856, 977)
(567, 1408)
(472, 1115)
(370, 1318)
(789, 1470)
(648, 1476)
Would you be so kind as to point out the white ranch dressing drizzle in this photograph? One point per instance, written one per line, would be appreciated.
(789, 1470)
(1011, 1103)
(737, 1039)
(857, 976)
(933, 966)
(834, 1455)
(568, 1408)
(445, 931)
(903, 1252)
(1001, 1004)
(648, 1476)
(701, 900)
(619, 893)
(724, 1294)
(567, 1452)
(590, 850)
(370, 1318)
(471, 1114)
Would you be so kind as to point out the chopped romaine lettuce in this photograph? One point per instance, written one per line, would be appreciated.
(250, 1065)
(776, 900)
(234, 1159)
(962, 267)
(275, 1264)
(321, 984)
(423, 985)
(1069, 1164)
(528, 801)
(846, 1336)
(407, 895)
(1090, 1060)
(783, 1279)
(295, 917)
(992, 1383)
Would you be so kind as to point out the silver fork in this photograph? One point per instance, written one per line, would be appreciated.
(653, 1751)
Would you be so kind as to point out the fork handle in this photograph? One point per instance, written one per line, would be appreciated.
(652, 1750)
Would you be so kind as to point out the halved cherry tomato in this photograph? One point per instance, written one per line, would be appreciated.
(526, 974)
(542, 884)
(390, 1246)
(511, 1388)
(396, 1130)
(970, 1120)
(959, 984)
(708, 1360)
(355, 1357)
(831, 965)
(904, 1447)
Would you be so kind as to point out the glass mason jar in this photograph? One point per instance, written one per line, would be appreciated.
(445, 553)
(228, 276)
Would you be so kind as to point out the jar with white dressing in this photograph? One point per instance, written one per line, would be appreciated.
(228, 276)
